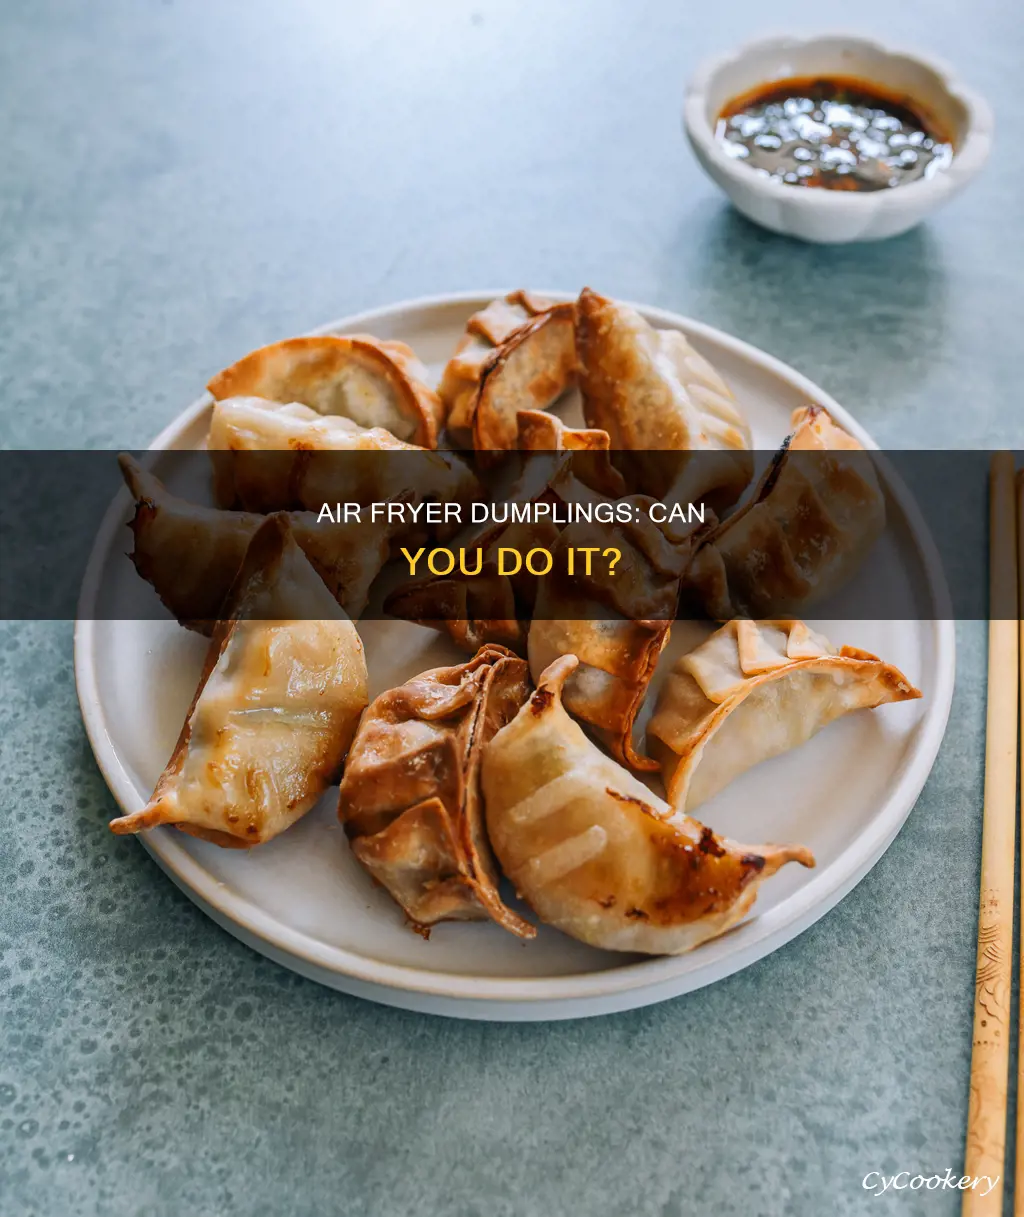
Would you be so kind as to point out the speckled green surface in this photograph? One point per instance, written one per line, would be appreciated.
(184, 180)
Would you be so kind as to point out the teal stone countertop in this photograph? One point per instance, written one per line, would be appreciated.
(185, 180)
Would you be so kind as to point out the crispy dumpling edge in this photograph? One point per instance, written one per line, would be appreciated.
(487, 423)
(485, 874)
(678, 767)
(267, 546)
(391, 358)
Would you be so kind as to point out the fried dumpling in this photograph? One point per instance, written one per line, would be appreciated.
(616, 621)
(814, 429)
(652, 393)
(485, 331)
(373, 382)
(272, 457)
(492, 605)
(754, 690)
(529, 370)
(276, 707)
(489, 606)
(539, 431)
(410, 798)
(597, 854)
(806, 530)
(191, 554)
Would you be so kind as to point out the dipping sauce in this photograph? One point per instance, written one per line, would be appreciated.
(836, 132)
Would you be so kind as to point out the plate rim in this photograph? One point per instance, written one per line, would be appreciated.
(568, 995)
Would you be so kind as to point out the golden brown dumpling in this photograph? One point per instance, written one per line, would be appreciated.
(272, 457)
(191, 554)
(410, 797)
(653, 394)
(529, 370)
(491, 606)
(539, 431)
(476, 609)
(599, 856)
(754, 690)
(806, 530)
(616, 624)
(373, 382)
(485, 331)
(277, 705)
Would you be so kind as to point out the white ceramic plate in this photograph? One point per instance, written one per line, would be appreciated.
(304, 902)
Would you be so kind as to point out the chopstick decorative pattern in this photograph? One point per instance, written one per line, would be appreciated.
(990, 1057)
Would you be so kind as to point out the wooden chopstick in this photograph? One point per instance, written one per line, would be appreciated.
(990, 1056)
(1018, 1191)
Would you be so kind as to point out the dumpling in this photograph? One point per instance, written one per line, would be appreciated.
(471, 611)
(595, 853)
(480, 608)
(814, 429)
(484, 331)
(276, 708)
(272, 457)
(529, 370)
(648, 388)
(191, 554)
(410, 798)
(652, 393)
(754, 690)
(539, 431)
(806, 530)
(616, 624)
(374, 383)
(491, 606)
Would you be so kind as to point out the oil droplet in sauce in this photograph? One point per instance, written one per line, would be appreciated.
(834, 132)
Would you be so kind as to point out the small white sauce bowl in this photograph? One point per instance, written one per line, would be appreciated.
(835, 216)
